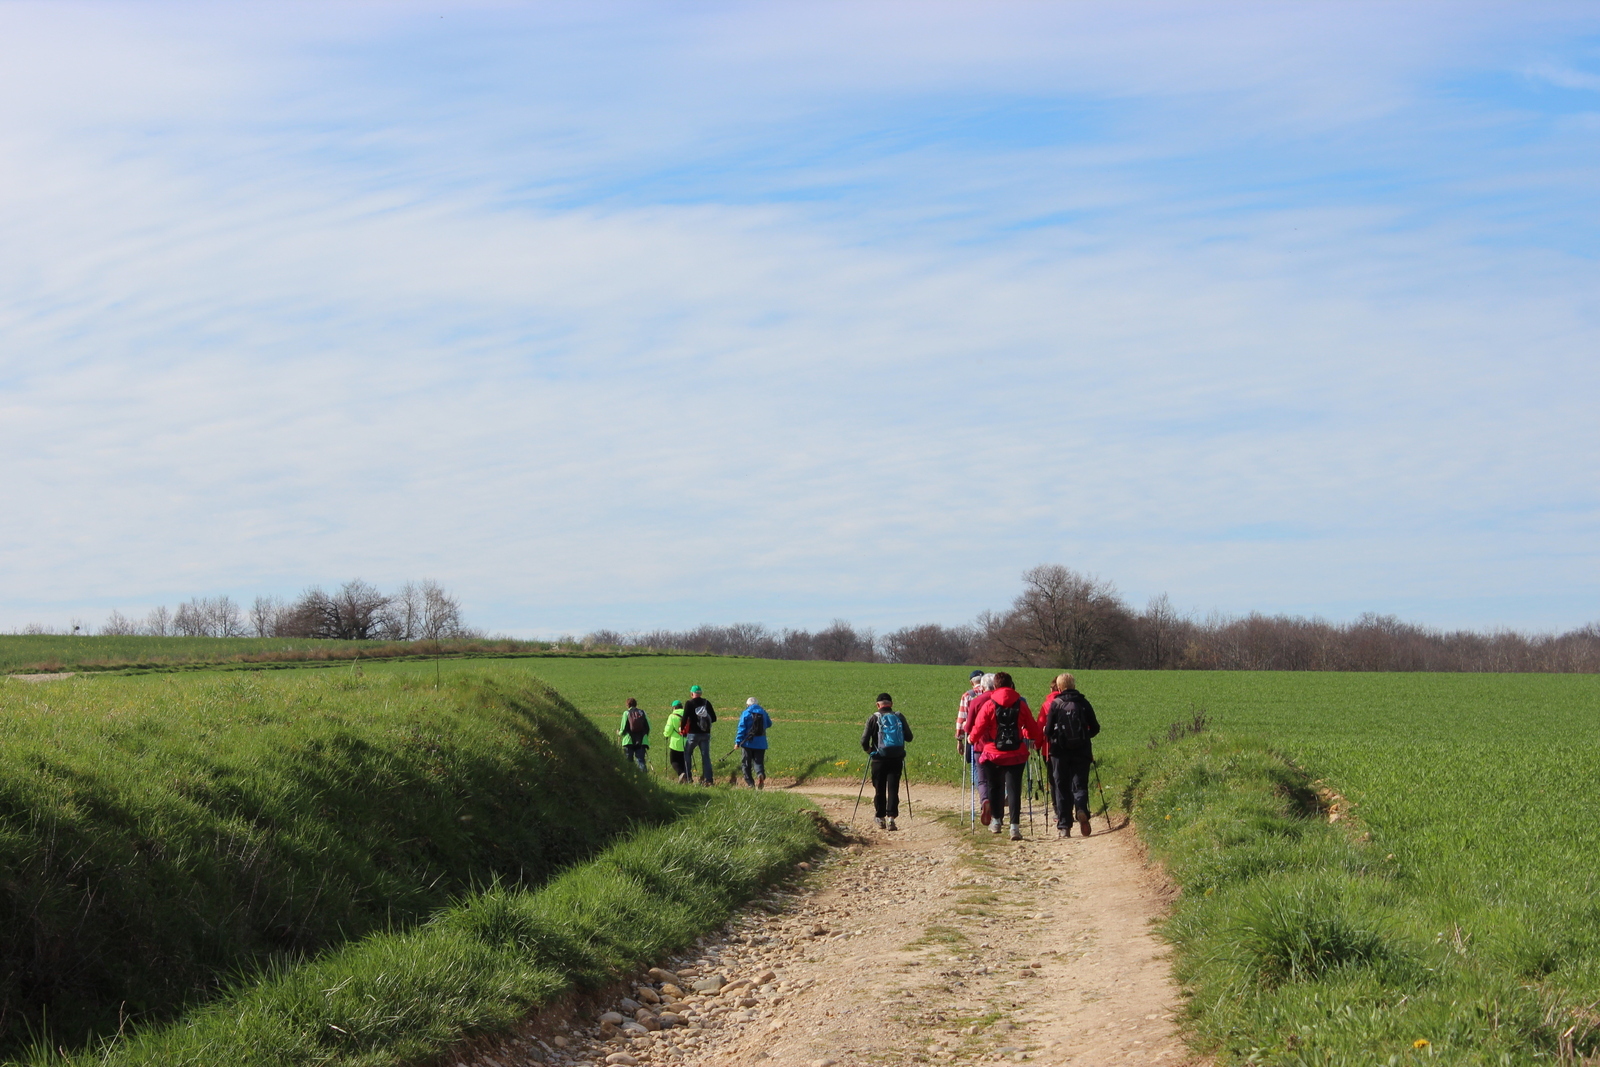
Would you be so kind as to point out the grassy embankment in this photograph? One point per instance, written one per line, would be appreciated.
(1445, 921)
(478, 966)
(161, 836)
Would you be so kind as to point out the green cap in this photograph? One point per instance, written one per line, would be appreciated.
(694, 689)
(677, 703)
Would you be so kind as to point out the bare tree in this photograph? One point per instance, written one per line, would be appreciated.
(119, 625)
(1061, 619)
(266, 616)
(440, 615)
(158, 623)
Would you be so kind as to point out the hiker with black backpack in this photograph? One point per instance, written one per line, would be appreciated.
(884, 740)
(1004, 727)
(698, 715)
(635, 734)
(751, 740)
(1069, 725)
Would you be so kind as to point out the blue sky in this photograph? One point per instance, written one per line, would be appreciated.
(651, 315)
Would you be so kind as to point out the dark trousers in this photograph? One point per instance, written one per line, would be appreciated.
(680, 765)
(754, 762)
(640, 754)
(886, 785)
(1069, 780)
(1005, 791)
(980, 779)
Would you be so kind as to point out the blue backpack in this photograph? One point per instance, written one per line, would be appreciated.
(891, 730)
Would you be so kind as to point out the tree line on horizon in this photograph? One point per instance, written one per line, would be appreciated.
(356, 611)
(1064, 619)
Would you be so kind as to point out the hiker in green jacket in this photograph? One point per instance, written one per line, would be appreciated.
(635, 734)
(675, 742)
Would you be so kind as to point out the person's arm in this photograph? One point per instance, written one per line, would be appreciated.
(1030, 725)
(743, 728)
(869, 736)
(907, 723)
(622, 728)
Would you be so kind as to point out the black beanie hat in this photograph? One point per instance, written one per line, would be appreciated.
(885, 698)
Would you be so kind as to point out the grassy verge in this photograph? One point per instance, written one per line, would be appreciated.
(162, 836)
(1303, 942)
(479, 966)
(48, 653)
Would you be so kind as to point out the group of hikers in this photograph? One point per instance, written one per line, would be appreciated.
(996, 733)
(688, 729)
(994, 729)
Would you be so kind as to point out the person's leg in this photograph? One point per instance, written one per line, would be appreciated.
(880, 776)
(1080, 793)
(1013, 792)
(758, 756)
(705, 759)
(1060, 786)
(985, 804)
(748, 764)
(891, 786)
(675, 756)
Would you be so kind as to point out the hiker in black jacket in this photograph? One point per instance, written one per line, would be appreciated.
(1069, 724)
(698, 715)
(884, 740)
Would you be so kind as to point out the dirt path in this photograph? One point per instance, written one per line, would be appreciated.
(932, 944)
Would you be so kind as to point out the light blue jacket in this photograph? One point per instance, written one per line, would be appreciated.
(747, 721)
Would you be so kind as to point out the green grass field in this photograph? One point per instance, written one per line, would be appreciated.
(1476, 795)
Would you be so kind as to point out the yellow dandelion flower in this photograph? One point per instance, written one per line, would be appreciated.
(1420, 1042)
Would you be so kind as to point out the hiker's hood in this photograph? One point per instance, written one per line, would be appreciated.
(1005, 695)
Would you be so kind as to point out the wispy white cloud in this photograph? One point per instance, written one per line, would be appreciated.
(624, 318)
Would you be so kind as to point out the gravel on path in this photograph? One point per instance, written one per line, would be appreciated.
(934, 944)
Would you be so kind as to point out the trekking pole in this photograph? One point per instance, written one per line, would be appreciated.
(1027, 769)
(863, 789)
(906, 778)
(1050, 790)
(1105, 807)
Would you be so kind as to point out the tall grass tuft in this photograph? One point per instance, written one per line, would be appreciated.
(162, 838)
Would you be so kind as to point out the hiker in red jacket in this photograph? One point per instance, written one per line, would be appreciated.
(1004, 727)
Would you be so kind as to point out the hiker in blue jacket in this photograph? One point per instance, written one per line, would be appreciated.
(751, 741)
(884, 740)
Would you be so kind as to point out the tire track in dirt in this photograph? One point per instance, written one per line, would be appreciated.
(933, 944)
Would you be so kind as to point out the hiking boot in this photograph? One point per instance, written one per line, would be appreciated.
(761, 782)
(1064, 829)
(994, 826)
(1016, 832)
(877, 820)
(983, 813)
(892, 826)
(1083, 824)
